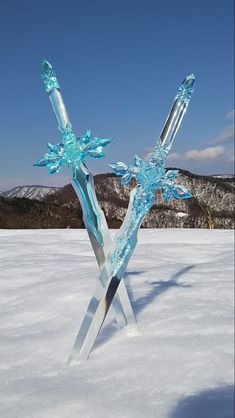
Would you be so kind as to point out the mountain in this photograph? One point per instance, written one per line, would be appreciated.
(223, 176)
(29, 192)
(212, 206)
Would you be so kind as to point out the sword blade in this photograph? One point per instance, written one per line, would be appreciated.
(93, 216)
(111, 278)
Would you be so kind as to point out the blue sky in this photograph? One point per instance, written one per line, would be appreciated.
(119, 63)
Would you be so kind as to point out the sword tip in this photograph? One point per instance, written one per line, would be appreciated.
(186, 89)
(49, 77)
(46, 66)
(189, 81)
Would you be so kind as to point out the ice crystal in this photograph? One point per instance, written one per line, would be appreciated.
(72, 150)
(186, 89)
(49, 77)
(151, 176)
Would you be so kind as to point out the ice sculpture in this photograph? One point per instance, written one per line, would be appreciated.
(72, 151)
(150, 177)
(113, 257)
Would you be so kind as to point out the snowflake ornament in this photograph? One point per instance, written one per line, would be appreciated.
(72, 151)
(151, 175)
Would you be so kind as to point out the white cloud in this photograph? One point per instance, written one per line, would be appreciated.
(226, 135)
(231, 115)
(209, 153)
(174, 156)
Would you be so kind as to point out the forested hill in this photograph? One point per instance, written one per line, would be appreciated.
(212, 205)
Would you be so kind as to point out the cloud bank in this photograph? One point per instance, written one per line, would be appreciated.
(225, 136)
(209, 153)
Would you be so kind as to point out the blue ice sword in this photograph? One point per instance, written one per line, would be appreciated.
(150, 177)
(72, 151)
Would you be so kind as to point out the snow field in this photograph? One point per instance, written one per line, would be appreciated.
(181, 366)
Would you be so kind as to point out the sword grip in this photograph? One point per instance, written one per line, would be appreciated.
(59, 108)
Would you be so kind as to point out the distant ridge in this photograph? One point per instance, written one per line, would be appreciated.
(223, 176)
(36, 192)
(212, 204)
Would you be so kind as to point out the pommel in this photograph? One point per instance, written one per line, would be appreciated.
(186, 89)
(49, 77)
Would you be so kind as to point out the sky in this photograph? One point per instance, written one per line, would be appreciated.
(119, 64)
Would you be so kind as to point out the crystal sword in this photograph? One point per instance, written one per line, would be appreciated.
(126, 238)
(93, 216)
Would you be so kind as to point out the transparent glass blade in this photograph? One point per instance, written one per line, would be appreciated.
(93, 216)
(150, 178)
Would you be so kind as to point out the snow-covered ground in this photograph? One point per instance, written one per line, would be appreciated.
(181, 366)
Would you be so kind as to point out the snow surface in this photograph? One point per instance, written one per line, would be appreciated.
(224, 176)
(181, 366)
(29, 192)
(181, 214)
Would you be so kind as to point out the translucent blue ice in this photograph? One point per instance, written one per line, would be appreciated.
(49, 77)
(150, 176)
(186, 89)
(72, 150)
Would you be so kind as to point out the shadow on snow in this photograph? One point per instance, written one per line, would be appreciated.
(158, 287)
(211, 403)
